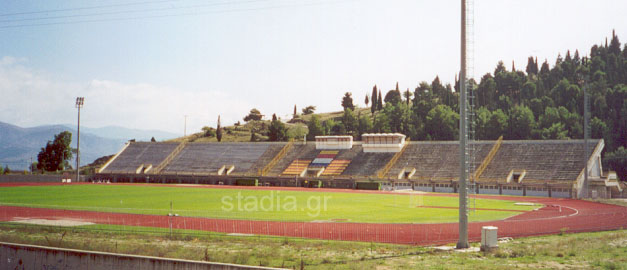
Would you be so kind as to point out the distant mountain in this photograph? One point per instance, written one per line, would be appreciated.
(116, 132)
(18, 145)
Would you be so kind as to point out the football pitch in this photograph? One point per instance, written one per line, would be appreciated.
(257, 204)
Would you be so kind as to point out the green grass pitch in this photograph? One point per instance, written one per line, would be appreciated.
(255, 204)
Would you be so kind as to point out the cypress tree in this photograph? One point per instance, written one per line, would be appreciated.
(374, 105)
(219, 131)
(380, 102)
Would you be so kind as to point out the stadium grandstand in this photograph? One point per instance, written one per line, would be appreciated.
(549, 168)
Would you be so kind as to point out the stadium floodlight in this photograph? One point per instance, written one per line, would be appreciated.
(79, 105)
(463, 133)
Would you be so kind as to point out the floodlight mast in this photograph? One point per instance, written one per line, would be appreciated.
(79, 105)
(463, 207)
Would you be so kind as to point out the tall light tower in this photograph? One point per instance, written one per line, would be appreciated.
(463, 133)
(79, 105)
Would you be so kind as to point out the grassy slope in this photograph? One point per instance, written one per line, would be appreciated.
(242, 133)
(242, 204)
(600, 250)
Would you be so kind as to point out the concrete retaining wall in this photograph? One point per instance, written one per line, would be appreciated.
(38, 178)
(17, 256)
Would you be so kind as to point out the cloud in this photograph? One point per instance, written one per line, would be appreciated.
(32, 97)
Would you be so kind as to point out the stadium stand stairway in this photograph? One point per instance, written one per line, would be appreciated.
(264, 159)
(137, 154)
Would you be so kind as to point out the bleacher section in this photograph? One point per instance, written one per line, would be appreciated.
(297, 167)
(208, 158)
(298, 151)
(324, 158)
(336, 167)
(366, 164)
(435, 160)
(138, 153)
(267, 156)
(542, 160)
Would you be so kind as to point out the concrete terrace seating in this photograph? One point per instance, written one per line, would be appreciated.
(436, 160)
(336, 167)
(138, 153)
(297, 167)
(267, 156)
(207, 158)
(366, 164)
(543, 160)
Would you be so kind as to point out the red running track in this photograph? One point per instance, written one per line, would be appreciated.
(558, 215)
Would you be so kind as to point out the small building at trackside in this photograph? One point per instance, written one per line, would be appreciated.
(334, 142)
(382, 142)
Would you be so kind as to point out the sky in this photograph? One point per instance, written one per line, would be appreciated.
(147, 64)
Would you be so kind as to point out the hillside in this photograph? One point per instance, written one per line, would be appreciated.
(18, 145)
(242, 133)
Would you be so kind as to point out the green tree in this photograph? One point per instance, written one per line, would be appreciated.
(375, 101)
(487, 92)
(407, 96)
(532, 66)
(253, 136)
(219, 131)
(382, 123)
(347, 101)
(521, 123)
(366, 100)
(56, 154)
(398, 115)
(442, 123)
(350, 121)
(309, 110)
(153, 139)
(379, 102)
(556, 131)
(598, 128)
(314, 127)
(277, 130)
(6, 170)
(497, 125)
(528, 91)
(392, 97)
(365, 125)
(254, 115)
(209, 131)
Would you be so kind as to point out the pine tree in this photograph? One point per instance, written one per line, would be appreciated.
(219, 131)
(347, 101)
(380, 102)
(375, 103)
